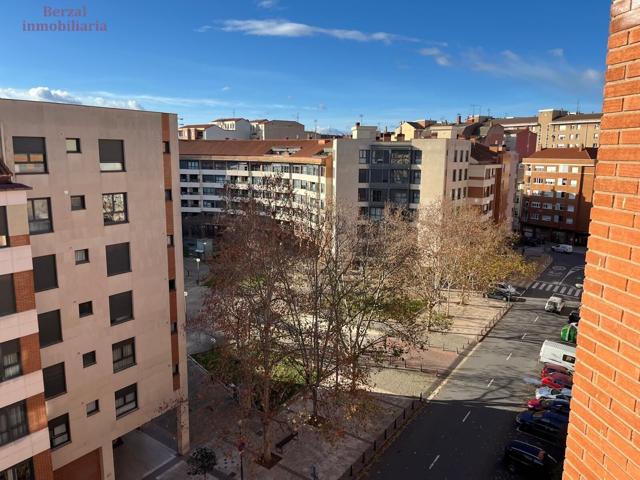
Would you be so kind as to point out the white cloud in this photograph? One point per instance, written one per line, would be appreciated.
(284, 28)
(203, 29)
(226, 88)
(554, 71)
(437, 54)
(557, 52)
(267, 3)
(46, 94)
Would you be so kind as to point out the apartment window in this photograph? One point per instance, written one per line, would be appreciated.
(546, 218)
(570, 208)
(21, 471)
(535, 216)
(415, 196)
(10, 360)
(416, 176)
(169, 240)
(39, 215)
(29, 155)
(77, 202)
(111, 155)
(166, 147)
(574, 183)
(50, 328)
(73, 145)
(114, 208)
(45, 275)
(378, 195)
(59, 433)
(126, 400)
(54, 380)
(167, 195)
(7, 295)
(379, 176)
(454, 175)
(535, 204)
(455, 155)
(93, 407)
(13, 422)
(575, 169)
(572, 196)
(453, 194)
(89, 359)
(121, 307)
(552, 169)
(538, 180)
(172, 285)
(466, 171)
(466, 156)
(174, 325)
(364, 156)
(569, 221)
(4, 231)
(416, 159)
(118, 259)
(363, 176)
(564, 169)
(124, 354)
(176, 369)
(85, 309)
(380, 157)
(547, 206)
(82, 256)
(363, 194)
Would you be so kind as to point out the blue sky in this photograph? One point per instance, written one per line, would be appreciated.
(329, 61)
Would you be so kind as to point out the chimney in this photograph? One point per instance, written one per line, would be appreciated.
(459, 119)
(400, 137)
(357, 124)
(386, 136)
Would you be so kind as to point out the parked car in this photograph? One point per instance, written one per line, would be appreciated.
(574, 316)
(562, 248)
(498, 295)
(504, 287)
(555, 304)
(558, 353)
(548, 392)
(557, 380)
(521, 456)
(545, 424)
(557, 405)
(550, 368)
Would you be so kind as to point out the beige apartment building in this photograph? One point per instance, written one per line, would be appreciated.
(91, 237)
(242, 129)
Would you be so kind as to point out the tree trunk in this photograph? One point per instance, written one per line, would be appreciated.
(314, 401)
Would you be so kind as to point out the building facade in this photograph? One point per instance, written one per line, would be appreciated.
(557, 194)
(100, 231)
(242, 129)
(604, 424)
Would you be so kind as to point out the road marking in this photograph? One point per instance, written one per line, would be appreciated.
(535, 285)
(563, 289)
(466, 416)
(537, 317)
(555, 289)
(523, 336)
(571, 291)
(549, 287)
(489, 384)
(509, 356)
(434, 461)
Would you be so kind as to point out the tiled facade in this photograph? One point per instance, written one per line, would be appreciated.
(604, 426)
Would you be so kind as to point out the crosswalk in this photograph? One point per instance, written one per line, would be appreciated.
(550, 288)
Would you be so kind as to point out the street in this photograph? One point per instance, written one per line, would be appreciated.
(463, 430)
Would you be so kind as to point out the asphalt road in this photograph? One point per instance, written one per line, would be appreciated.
(462, 432)
(560, 278)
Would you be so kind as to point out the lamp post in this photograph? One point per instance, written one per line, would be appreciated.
(204, 250)
(185, 306)
(198, 278)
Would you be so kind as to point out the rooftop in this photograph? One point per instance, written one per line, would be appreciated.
(254, 148)
(483, 154)
(566, 153)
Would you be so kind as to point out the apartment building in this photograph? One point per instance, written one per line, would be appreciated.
(604, 426)
(243, 129)
(90, 262)
(558, 194)
(275, 129)
(208, 169)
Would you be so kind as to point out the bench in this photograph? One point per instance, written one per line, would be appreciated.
(280, 445)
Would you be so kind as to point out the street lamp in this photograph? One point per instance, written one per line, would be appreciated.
(185, 305)
(204, 250)
(198, 264)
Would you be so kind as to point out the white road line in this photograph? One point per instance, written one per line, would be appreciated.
(523, 336)
(537, 317)
(535, 285)
(549, 287)
(571, 291)
(434, 461)
(489, 384)
(555, 289)
(563, 289)
(509, 356)
(466, 416)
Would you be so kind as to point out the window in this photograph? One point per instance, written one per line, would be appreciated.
(176, 369)
(364, 156)
(535, 204)
(89, 359)
(570, 208)
(4, 231)
(569, 221)
(77, 202)
(59, 434)
(380, 156)
(379, 176)
(54, 380)
(13, 422)
(126, 400)
(535, 216)
(114, 208)
(174, 325)
(575, 169)
(167, 195)
(118, 259)
(10, 360)
(552, 169)
(417, 157)
(7, 295)
(82, 256)
(172, 285)
(49, 328)
(166, 147)
(85, 309)
(169, 240)
(111, 155)
(466, 171)
(454, 175)
(45, 275)
(21, 471)
(459, 193)
(466, 156)
(415, 196)
(93, 407)
(121, 307)
(574, 183)
(547, 206)
(546, 218)
(29, 155)
(363, 194)
(39, 214)
(563, 168)
(124, 354)
(538, 180)
(416, 176)
(363, 176)
(453, 194)
(378, 195)
(73, 145)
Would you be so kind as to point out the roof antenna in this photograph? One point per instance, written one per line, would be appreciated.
(361, 117)
(315, 126)
(234, 113)
(578, 107)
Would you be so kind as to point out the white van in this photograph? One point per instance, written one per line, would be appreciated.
(559, 353)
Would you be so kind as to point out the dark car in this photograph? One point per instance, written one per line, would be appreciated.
(547, 425)
(498, 295)
(574, 316)
(556, 405)
(520, 456)
(551, 368)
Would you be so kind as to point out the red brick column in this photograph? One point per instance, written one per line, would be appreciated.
(604, 427)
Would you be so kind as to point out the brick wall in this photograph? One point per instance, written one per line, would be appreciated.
(604, 428)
